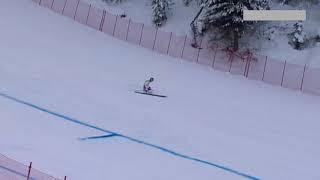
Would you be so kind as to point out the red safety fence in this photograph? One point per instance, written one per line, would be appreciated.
(13, 170)
(109, 23)
(176, 45)
(251, 66)
(207, 53)
(134, 32)
(82, 12)
(95, 16)
(121, 28)
(148, 37)
(70, 8)
(162, 42)
(58, 6)
(190, 53)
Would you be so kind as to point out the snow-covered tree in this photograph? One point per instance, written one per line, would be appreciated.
(297, 2)
(186, 2)
(113, 1)
(298, 37)
(160, 10)
(226, 15)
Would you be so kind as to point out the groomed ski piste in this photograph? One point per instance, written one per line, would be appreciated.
(67, 104)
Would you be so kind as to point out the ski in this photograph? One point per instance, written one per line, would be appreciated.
(157, 95)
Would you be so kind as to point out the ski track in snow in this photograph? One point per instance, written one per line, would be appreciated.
(79, 122)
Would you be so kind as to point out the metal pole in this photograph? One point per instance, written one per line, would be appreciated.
(30, 166)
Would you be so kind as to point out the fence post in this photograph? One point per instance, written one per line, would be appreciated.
(88, 14)
(304, 70)
(169, 43)
(198, 53)
(264, 69)
(231, 60)
(115, 24)
(141, 34)
(184, 45)
(75, 13)
(128, 29)
(214, 58)
(155, 39)
(52, 4)
(64, 6)
(284, 68)
(246, 69)
(104, 12)
(30, 166)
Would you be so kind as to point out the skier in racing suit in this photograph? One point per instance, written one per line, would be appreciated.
(146, 86)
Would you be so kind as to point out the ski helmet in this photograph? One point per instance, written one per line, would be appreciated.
(151, 79)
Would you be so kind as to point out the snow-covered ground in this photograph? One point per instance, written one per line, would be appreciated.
(277, 48)
(62, 66)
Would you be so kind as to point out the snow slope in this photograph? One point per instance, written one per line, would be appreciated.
(59, 65)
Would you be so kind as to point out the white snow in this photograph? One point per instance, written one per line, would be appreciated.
(55, 63)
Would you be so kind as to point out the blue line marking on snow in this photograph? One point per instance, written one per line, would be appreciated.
(99, 137)
(55, 114)
(130, 138)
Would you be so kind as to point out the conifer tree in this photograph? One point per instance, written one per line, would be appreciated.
(114, 1)
(160, 10)
(186, 2)
(298, 36)
(226, 15)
